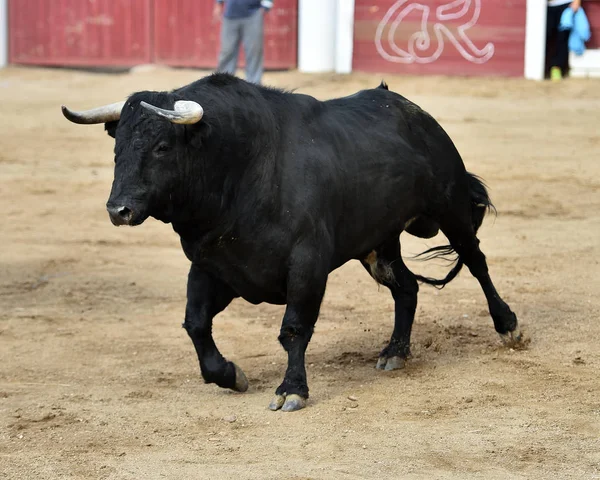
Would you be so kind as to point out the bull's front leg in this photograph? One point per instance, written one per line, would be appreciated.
(206, 297)
(306, 287)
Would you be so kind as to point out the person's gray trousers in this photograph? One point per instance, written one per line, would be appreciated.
(248, 31)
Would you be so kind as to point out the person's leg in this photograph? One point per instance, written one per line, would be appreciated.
(252, 37)
(552, 20)
(230, 45)
(559, 55)
(562, 45)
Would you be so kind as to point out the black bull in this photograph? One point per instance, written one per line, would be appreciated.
(270, 191)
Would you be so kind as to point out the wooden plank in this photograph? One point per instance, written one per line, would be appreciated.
(592, 11)
(79, 33)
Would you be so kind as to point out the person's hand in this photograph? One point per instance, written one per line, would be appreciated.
(575, 4)
(217, 12)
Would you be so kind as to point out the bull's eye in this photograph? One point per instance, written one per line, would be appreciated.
(162, 147)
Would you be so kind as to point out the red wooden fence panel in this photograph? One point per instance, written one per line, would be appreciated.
(185, 34)
(447, 37)
(592, 11)
(80, 32)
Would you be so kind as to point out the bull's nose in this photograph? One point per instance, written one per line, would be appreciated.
(120, 215)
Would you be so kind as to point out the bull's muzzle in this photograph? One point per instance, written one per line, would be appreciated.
(120, 215)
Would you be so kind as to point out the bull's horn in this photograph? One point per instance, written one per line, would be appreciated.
(185, 112)
(106, 113)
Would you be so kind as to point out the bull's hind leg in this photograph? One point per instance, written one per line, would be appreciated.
(463, 239)
(207, 296)
(386, 266)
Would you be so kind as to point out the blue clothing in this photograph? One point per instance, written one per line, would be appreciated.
(579, 26)
(244, 8)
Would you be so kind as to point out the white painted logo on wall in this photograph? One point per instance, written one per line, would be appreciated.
(420, 47)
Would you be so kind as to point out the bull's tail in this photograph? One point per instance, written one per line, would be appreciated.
(480, 204)
(480, 200)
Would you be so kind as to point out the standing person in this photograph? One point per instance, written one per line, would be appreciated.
(243, 22)
(558, 40)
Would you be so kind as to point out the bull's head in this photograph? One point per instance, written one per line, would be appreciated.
(147, 142)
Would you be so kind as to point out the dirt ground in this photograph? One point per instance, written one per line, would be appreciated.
(98, 380)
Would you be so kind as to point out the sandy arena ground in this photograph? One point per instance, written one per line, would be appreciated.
(98, 380)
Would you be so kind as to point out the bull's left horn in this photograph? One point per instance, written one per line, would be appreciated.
(106, 113)
(185, 112)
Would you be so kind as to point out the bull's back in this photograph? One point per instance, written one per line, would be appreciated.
(373, 173)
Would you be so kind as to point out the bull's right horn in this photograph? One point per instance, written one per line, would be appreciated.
(185, 112)
(104, 114)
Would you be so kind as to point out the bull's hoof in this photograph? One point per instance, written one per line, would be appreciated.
(391, 363)
(514, 339)
(511, 338)
(241, 382)
(277, 402)
(293, 402)
(287, 403)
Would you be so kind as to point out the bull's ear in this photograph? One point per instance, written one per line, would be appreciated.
(111, 128)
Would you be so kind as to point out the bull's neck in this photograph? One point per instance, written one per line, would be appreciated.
(229, 200)
(232, 174)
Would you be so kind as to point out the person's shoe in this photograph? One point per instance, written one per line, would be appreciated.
(555, 74)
